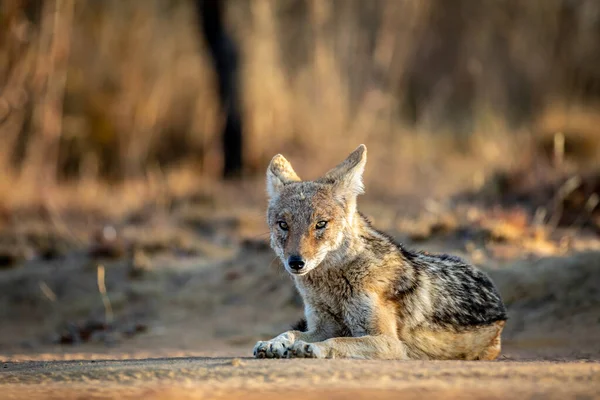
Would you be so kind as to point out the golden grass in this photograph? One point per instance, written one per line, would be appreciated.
(125, 90)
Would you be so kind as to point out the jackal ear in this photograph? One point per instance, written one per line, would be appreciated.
(347, 175)
(279, 174)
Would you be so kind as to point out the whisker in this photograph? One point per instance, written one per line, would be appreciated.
(271, 264)
(260, 235)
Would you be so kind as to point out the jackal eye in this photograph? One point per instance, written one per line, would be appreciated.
(283, 225)
(321, 224)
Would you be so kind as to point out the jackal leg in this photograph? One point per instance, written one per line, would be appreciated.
(278, 346)
(364, 347)
(492, 351)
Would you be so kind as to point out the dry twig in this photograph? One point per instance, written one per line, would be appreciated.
(108, 312)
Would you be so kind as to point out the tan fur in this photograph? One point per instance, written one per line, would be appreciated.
(364, 296)
(474, 344)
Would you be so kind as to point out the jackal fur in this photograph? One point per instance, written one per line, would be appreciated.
(366, 296)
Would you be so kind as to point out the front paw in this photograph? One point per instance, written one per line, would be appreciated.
(302, 349)
(270, 349)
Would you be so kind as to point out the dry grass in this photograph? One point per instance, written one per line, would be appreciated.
(115, 90)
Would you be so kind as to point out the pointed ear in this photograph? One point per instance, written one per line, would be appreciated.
(347, 176)
(279, 174)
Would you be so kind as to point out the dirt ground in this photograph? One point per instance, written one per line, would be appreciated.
(227, 378)
(191, 286)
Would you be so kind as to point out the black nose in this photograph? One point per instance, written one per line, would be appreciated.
(296, 263)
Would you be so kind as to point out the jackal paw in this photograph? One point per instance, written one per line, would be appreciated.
(276, 348)
(302, 349)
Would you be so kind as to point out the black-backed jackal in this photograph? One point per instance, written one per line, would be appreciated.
(366, 296)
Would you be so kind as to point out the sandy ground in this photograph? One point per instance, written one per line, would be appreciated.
(228, 378)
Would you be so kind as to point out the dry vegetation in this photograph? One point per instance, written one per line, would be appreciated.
(96, 90)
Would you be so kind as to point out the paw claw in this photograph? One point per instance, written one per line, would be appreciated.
(304, 350)
(275, 348)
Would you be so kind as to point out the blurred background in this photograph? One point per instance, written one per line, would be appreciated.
(134, 136)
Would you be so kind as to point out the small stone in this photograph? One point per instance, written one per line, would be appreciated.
(107, 243)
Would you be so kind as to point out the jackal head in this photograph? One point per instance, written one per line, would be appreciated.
(310, 220)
